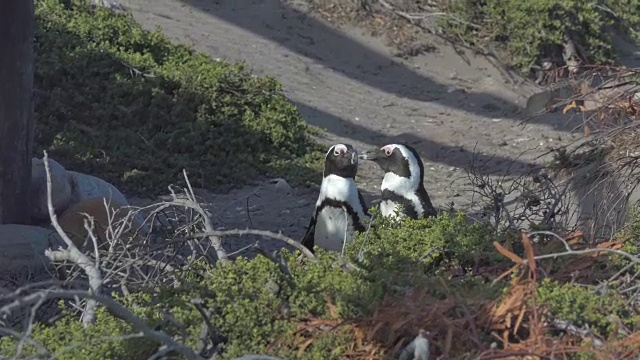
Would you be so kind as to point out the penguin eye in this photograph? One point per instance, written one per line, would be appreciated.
(388, 152)
(337, 152)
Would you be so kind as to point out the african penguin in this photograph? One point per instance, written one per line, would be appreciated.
(403, 181)
(338, 193)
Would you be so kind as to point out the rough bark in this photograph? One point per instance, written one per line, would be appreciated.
(16, 108)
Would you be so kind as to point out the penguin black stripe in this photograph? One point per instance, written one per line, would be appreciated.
(350, 211)
(407, 206)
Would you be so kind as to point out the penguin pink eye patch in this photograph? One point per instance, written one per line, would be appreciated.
(388, 150)
(339, 149)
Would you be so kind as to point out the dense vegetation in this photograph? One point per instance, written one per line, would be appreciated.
(529, 31)
(259, 309)
(126, 105)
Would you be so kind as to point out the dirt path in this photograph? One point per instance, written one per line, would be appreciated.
(349, 84)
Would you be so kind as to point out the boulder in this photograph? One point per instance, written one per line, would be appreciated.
(85, 187)
(22, 248)
(60, 191)
(72, 221)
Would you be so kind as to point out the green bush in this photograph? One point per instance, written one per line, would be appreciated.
(257, 308)
(422, 246)
(124, 104)
(630, 235)
(527, 29)
(581, 306)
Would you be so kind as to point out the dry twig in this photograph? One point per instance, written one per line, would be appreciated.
(74, 255)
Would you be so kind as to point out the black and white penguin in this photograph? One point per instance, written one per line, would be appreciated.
(403, 181)
(338, 193)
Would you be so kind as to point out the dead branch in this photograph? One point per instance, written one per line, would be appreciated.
(265, 233)
(191, 203)
(571, 252)
(116, 308)
(278, 261)
(509, 204)
(582, 332)
(74, 255)
(209, 334)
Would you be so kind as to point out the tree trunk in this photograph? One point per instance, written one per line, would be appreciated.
(16, 108)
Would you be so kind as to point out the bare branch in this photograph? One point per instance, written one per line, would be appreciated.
(73, 254)
(571, 252)
(192, 204)
(265, 233)
(116, 308)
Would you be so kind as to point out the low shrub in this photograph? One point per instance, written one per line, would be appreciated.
(326, 310)
(258, 309)
(606, 315)
(125, 104)
(530, 30)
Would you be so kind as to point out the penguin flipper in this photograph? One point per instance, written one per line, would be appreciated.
(429, 209)
(308, 240)
(364, 204)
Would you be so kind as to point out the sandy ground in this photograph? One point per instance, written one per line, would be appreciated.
(347, 82)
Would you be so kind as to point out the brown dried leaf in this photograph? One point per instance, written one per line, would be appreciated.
(516, 294)
(375, 329)
(575, 238)
(505, 274)
(506, 253)
(519, 320)
(448, 341)
(333, 310)
(528, 250)
(571, 105)
(304, 347)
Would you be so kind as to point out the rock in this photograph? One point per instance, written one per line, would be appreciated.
(85, 187)
(548, 99)
(61, 189)
(22, 248)
(281, 185)
(72, 221)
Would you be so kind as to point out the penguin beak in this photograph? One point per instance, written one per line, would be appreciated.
(371, 155)
(354, 157)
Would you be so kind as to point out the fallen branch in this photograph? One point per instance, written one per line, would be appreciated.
(265, 233)
(72, 253)
(116, 308)
(569, 251)
(192, 204)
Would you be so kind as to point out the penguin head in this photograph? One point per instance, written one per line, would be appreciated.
(341, 160)
(402, 165)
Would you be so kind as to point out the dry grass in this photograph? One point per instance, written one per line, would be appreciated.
(404, 37)
(459, 326)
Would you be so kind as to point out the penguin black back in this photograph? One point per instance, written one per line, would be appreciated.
(338, 193)
(403, 181)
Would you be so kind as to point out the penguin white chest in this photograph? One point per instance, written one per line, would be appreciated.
(388, 208)
(402, 186)
(333, 227)
(334, 222)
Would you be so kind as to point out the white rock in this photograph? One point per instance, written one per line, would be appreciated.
(61, 189)
(85, 187)
(22, 248)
